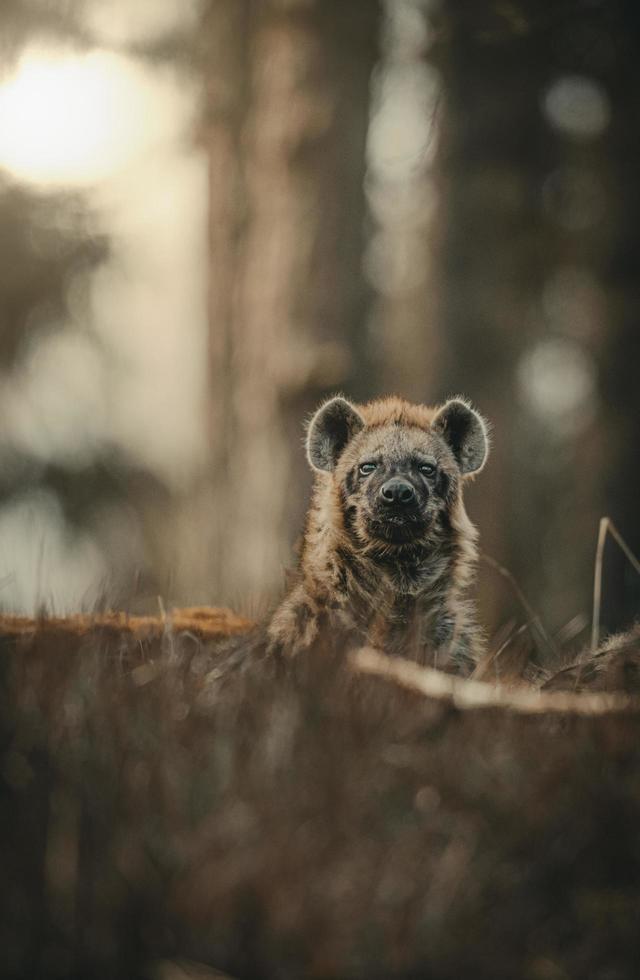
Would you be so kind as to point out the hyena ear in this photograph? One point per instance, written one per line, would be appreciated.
(465, 432)
(331, 428)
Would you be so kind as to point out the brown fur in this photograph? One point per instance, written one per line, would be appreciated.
(408, 597)
(614, 666)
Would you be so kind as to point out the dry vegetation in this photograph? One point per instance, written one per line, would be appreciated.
(169, 796)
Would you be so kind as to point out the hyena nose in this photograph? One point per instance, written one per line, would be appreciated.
(396, 491)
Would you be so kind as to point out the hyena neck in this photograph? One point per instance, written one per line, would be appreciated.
(374, 574)
(406, 600)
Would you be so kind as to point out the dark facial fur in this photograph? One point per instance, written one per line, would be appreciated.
(378, 470)
(388, 546)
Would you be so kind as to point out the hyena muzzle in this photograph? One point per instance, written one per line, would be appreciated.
(388, 550)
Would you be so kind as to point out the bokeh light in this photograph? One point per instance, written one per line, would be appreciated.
(578, 107)
(558, 384)
(121, 22)
(42, 565)
(114, 373)
(75, 119)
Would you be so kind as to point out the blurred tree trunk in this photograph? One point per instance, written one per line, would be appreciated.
(288, 115)
(402, 196)
(527, 239)
(621, 390)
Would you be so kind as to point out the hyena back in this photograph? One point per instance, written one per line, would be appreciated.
(388, 550)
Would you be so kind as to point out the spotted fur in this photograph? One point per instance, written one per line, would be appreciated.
(392, 577)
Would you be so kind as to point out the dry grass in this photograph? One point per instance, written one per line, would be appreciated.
(606, 527)
(172, 800)
(177, 804)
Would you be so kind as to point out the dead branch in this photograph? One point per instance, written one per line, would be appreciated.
(470, 694)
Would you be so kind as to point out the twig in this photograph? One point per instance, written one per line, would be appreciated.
(606, 526)
(469, 694)
(535, 620)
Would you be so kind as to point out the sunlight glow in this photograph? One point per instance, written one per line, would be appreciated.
(75, 119)
(122, 22)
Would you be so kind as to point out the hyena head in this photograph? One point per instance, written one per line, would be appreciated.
(396, 469)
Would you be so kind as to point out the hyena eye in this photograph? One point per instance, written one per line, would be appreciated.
(428, 469)
(366, 468)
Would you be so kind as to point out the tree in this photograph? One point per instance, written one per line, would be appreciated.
(287, 122)
(535, 165)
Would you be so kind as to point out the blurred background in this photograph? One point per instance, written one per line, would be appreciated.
(214, 213)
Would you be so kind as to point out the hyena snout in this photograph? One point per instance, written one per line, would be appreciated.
(397, 492)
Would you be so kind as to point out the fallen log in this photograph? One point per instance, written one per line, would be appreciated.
(171, 797)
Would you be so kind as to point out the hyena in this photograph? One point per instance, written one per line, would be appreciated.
(388, 549)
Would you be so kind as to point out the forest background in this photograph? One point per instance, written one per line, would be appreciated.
(214, 213)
